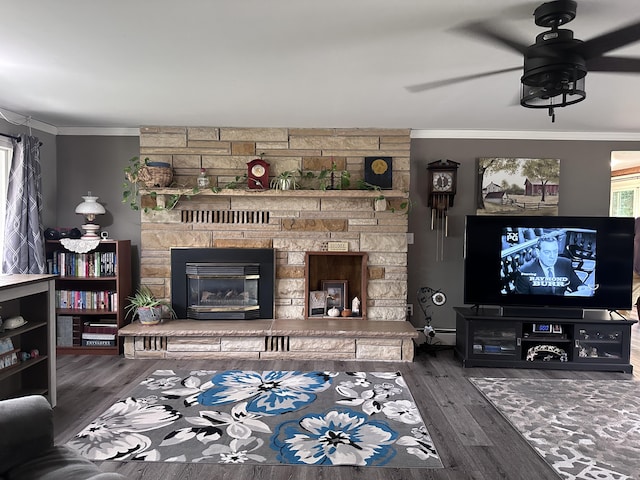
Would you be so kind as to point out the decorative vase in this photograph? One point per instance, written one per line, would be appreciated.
(380, 204)
(284, 183)
(150, 315)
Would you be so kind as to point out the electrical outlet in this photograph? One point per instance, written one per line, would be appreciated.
(410, 309)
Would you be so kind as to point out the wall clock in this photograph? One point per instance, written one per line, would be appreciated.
(258, 174)
(378, 171)
(441, 185)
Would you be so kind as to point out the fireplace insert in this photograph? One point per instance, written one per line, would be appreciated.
(223, 283)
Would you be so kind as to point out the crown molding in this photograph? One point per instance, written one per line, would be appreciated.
(527, 135)
(27, 121)
(418, 133)
(100, 131)
(20, 120)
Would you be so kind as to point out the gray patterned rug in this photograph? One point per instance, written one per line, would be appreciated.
(584, 429)
(265, 417)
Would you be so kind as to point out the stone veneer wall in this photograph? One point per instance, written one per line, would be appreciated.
(290, 222)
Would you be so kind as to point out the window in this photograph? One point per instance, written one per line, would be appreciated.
(6, 153)
(625, 196)
(625, 184)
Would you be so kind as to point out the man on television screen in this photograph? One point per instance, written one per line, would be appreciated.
(549, 274)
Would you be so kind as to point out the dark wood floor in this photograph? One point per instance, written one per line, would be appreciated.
(473, 440)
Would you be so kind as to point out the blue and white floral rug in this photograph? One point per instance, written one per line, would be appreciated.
(271, 417)
(584, 429)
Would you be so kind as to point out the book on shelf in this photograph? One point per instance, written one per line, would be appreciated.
(94, 264)
(87, 299)
(90, 342)
(64, 330)
(98, 336)
(99, 327)
(77, 331)
(98, 340)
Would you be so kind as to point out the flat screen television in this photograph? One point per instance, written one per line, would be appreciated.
(507, 261)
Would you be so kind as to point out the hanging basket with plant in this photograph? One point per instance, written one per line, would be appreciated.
(155, 174)
(146, 175)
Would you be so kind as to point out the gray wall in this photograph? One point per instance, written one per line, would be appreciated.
(585, 182)
(96, 164)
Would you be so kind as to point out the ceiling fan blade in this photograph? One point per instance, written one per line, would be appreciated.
(494, 33)
(449, 81)
(609, 41)
(614, 64)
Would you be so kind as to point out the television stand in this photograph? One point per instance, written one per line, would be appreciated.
(596, 341)
(541, 312)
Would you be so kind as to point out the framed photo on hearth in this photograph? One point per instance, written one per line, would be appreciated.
(336, 293)
(317, 303)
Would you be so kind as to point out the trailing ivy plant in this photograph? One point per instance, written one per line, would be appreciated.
(130, 189)
(405, 205)
(232, 185)
(362, 185)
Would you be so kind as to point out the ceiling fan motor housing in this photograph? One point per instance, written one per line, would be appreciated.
(556, 13)
(553, 68)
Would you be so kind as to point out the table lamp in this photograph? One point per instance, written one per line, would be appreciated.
(90, 208)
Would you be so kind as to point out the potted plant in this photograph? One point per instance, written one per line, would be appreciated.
(147, 307)
(285, 181)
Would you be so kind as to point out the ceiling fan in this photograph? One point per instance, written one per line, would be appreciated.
(555, 66)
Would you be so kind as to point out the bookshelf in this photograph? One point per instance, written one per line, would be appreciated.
(91, 293)
(29, 296)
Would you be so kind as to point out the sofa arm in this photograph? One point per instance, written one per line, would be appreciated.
(60, 463)
(26, 424)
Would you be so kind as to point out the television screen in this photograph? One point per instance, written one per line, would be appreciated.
(535, 261)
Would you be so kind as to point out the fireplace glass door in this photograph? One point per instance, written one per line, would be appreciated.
(223, 290)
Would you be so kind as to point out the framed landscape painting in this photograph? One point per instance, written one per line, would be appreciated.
(517, 186)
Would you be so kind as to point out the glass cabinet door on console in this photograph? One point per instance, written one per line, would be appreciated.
(601, 343)
(494, 339)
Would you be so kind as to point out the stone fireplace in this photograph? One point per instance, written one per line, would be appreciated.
(292, 224)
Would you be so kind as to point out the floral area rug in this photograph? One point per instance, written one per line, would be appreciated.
(270, 417)
(584, 429)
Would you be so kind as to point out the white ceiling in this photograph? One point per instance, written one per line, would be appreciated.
(292, 63)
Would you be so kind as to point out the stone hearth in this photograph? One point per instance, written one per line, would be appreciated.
(272, 339)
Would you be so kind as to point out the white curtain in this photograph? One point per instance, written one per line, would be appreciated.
(23, 232)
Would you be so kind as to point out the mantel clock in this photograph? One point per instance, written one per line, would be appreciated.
(258, 174)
